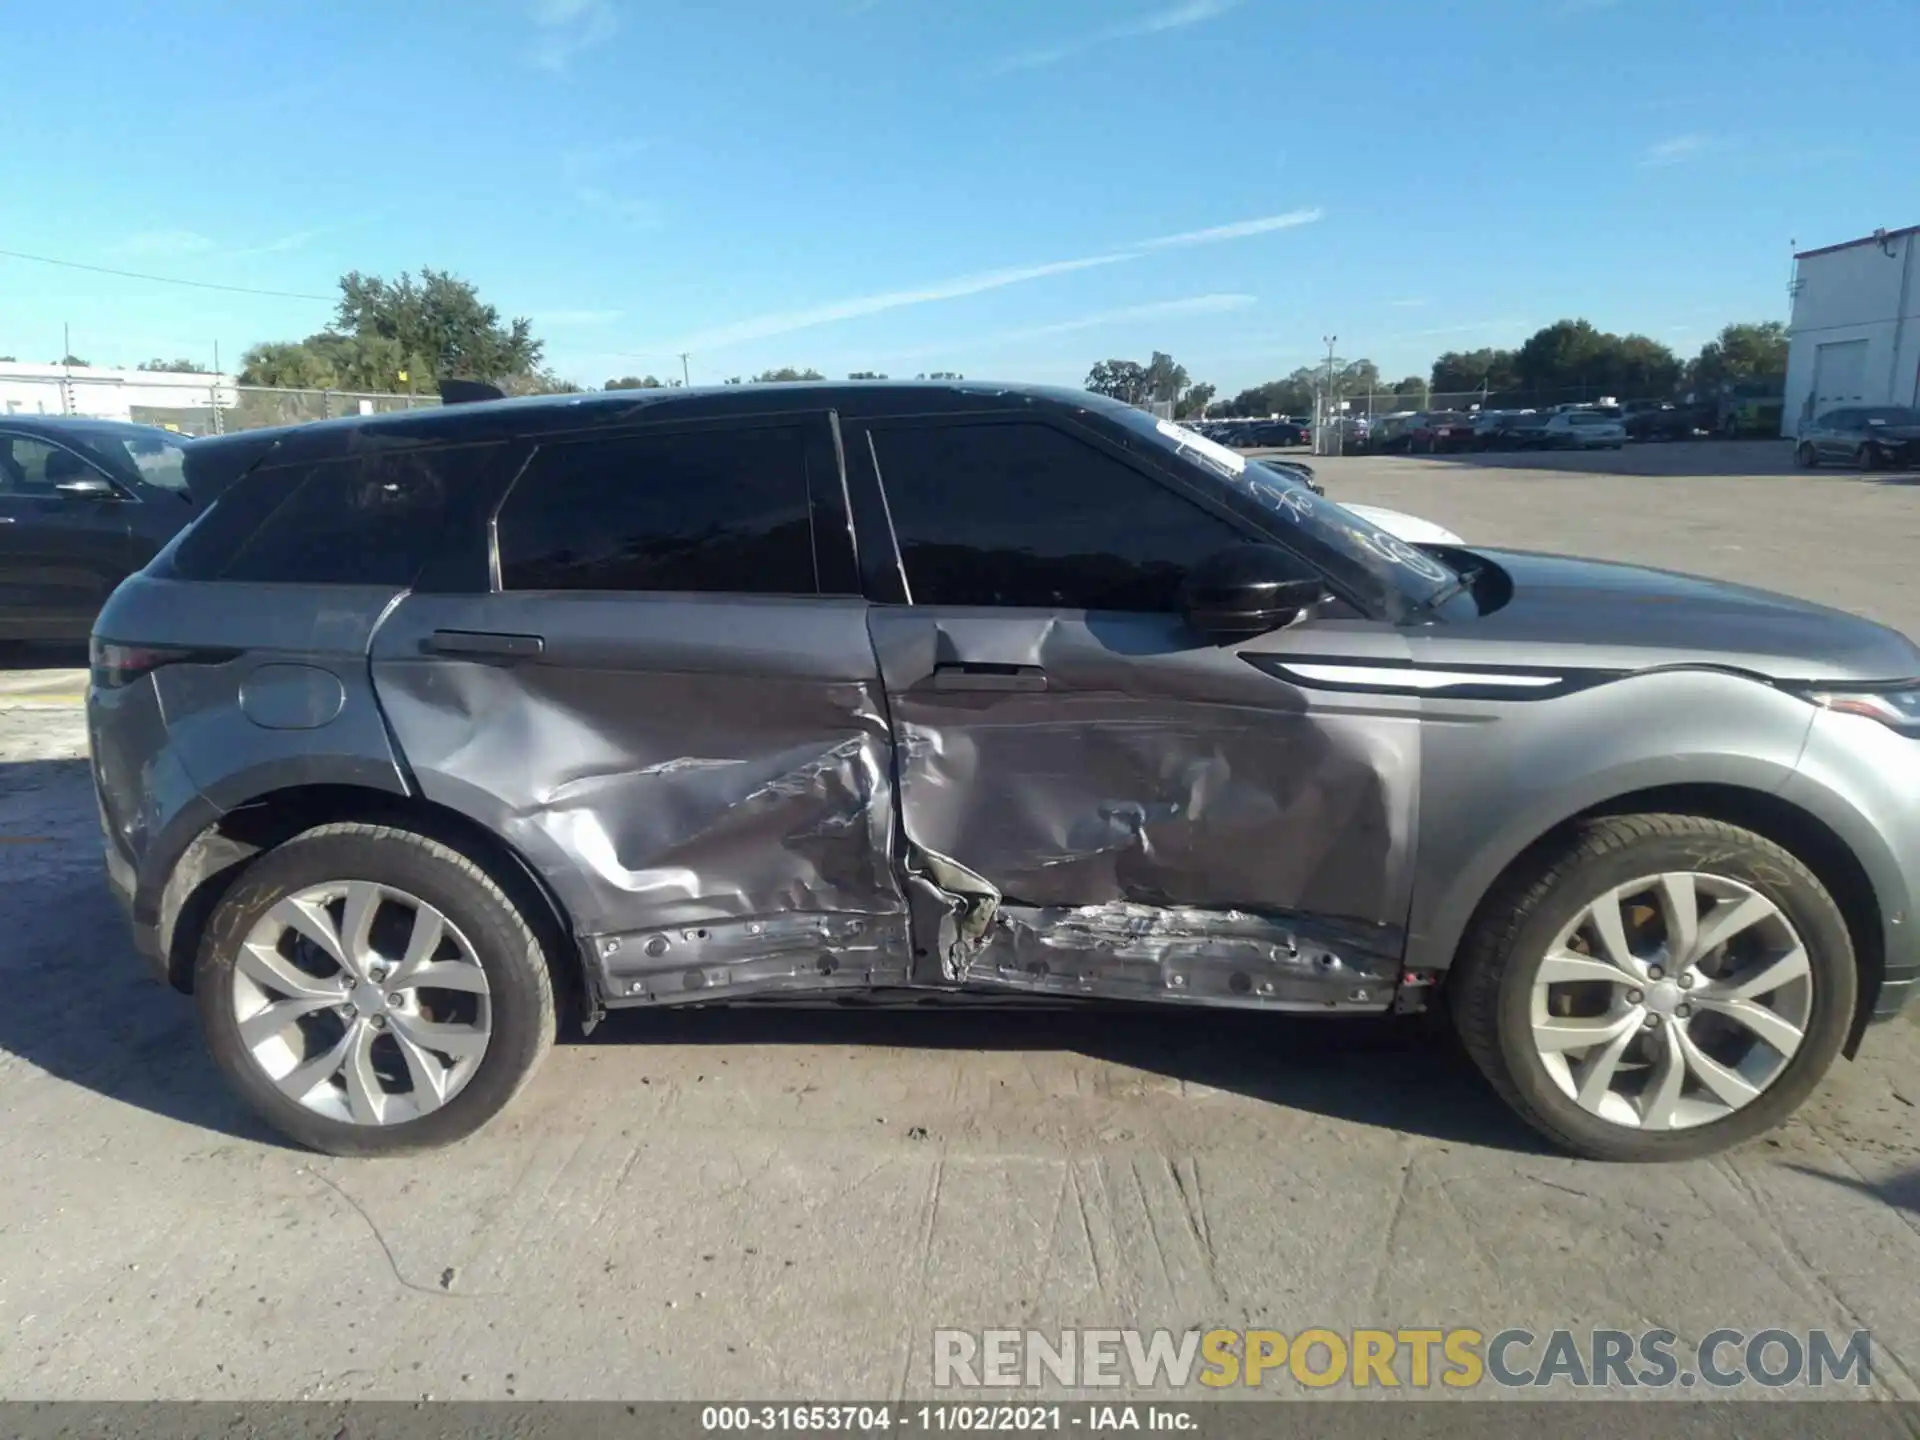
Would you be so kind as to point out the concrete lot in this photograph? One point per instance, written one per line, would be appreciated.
(764, 1206)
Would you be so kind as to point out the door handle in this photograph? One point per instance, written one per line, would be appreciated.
(980, 676)
(484, 642)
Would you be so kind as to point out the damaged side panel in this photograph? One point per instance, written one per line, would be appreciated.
(705, 782)
(1146, 817)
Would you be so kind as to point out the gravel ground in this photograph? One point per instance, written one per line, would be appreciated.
(716, 1205)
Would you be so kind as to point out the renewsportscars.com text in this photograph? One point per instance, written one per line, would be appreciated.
(1457, 1358)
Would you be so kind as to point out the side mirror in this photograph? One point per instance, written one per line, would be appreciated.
(87, 487)
(1248, 590)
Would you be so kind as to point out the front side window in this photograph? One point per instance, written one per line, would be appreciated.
(1023, 514)
(708, 510)
(23, 466)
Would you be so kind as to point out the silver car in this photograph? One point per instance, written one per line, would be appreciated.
(1584, 430)
(439, 730)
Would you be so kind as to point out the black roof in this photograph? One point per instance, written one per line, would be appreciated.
(534, 415)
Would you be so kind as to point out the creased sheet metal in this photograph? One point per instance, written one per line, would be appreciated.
(1163, 820)
(731, 825)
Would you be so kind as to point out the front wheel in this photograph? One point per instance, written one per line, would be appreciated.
(1871, 457)
(371, 991)
(1805, 456)
(1659, 988)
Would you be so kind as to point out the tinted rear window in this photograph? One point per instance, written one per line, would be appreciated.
(367, 520)
(706, 510)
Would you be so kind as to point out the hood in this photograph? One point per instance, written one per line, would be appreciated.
(1591, 614)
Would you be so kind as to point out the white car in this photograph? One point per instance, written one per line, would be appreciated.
(1584, 430)
(1410, 528)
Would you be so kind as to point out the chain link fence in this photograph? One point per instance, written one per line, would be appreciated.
(191, 405)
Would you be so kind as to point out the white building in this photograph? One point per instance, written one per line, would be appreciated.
(106, 394)
(1855, 337)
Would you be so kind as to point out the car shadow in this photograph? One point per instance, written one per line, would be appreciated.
(1399, 1073)
(82, 1008)
(25, 655)
(1902, 1192)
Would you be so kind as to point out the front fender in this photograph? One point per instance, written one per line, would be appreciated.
(1499, 775)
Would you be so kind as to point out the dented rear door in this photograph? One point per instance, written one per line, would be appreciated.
(667, 702)
(1096, 801)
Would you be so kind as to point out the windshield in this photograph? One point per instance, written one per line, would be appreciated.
(1893, 415)
(1325, 528)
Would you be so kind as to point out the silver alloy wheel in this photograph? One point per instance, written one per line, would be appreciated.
(1672, 1001)
(362, 1002)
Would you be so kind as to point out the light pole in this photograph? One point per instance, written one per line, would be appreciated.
(686, 378)
(1326, 399)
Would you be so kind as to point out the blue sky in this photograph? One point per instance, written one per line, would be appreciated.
(1009, 188)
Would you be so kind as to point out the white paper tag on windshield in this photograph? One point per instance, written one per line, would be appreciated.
(1212, 451)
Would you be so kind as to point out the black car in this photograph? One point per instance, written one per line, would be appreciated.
(1870, 436)
(1292, 470)
(83, 504)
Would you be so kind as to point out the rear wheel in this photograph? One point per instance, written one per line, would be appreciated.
(1871, 457)
(370, 991)
(1661, 987)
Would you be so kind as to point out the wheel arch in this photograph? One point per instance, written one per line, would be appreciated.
(220, 853)
(1793, 827)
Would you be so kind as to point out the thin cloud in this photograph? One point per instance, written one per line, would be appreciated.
(569, 28)
(785, 322)
(640, 214)
(1239, 230)
(279, 246)
(1154, 310)
(1471, 327)
(1677, 151)
(576, 317)
(161, 245)
(1158, 22)
(586, 171)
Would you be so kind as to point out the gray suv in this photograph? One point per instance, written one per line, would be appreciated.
(437, 727)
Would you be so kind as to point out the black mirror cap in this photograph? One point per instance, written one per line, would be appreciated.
(1249, 590)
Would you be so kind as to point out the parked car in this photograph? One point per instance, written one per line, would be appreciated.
(1661, 420)
(1440, 431)
(1393, 432)
(83, 504)
(438, 726)
(1583, 430)
(1509, 430)
(1869, 436)
(1272, 433)
(1397, 523)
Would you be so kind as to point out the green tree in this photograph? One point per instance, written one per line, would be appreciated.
(633, 382)
(72, 361)
(786, 373)
(439, 323)
(1458, 372)
(1193, 404)
(866, 375)
(1166, 380)
(1125, 380)
(184, 367)
(941, 375)
(1746, 353)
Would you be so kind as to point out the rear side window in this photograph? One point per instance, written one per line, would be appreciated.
(1026, 515)
(702, 510)
(367, 520)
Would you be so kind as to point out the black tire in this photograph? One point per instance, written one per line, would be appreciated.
(1491, 981)
(1806, 457)
(1871, 457)
(518, 977)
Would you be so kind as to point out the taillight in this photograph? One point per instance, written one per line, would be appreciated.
(114, 665)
